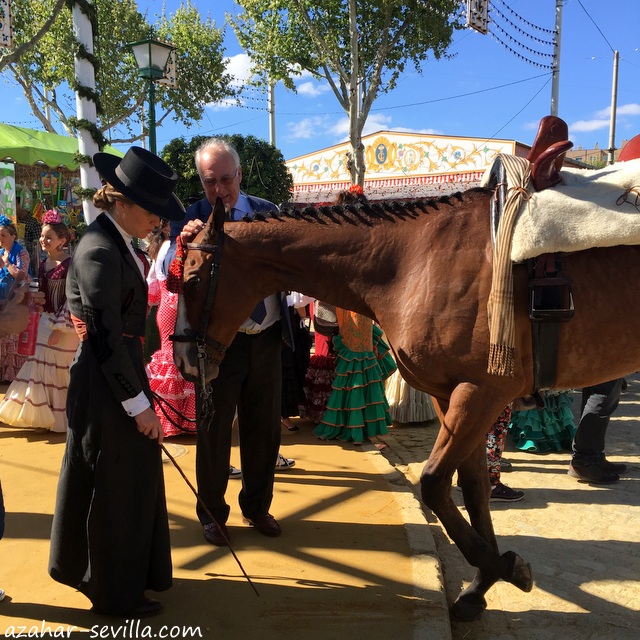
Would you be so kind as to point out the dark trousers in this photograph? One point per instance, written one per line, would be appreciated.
(249, 379)
(598, 404)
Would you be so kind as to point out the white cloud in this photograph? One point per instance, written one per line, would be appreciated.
(328, 130)
(602, 118)
(628, 110)
(375, 122)
(312, 89)
(239, 67)
(588, 125)
(306, 128)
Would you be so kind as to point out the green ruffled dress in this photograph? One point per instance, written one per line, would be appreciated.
(545, 430)
(357, 408)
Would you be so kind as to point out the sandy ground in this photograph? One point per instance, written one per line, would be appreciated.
(356, 556)
(359, 555)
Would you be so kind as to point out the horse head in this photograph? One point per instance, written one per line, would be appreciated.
(196, 351)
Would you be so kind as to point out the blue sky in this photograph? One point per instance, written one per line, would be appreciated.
(484, 91)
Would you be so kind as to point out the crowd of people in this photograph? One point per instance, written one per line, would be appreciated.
(89, 377)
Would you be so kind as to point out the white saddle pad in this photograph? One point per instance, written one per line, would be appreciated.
(587, 209)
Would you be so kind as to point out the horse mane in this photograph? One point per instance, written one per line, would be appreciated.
(364, 213)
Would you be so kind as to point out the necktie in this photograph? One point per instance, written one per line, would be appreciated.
(259, 313)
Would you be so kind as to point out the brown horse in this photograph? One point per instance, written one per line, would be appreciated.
(423, 271)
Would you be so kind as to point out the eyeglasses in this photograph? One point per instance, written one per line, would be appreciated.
(225, 181)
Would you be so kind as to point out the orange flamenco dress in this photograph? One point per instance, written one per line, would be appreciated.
(357, 408)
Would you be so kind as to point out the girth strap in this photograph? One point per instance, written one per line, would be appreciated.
(550, 304)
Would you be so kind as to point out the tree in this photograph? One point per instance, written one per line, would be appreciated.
(264, 173)
(46, 72)
(359, 47)
(17, 52)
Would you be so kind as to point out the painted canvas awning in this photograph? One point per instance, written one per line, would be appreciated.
(29, 146)
(398, 165)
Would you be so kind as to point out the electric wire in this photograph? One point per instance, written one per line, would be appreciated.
(596, 26)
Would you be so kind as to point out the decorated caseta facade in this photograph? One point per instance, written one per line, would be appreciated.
(399, 165)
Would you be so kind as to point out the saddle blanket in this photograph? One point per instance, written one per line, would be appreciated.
(589, 208)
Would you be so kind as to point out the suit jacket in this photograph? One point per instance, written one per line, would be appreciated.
(201, 210)
(106, 290)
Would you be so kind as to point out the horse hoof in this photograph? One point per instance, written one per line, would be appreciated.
(467, 608)
(520, 573)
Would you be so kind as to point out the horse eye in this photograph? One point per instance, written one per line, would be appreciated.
(192, 281)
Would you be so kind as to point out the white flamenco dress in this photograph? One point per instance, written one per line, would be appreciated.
(37, 397)
(406, 404)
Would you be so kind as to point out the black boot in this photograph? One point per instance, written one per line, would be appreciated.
(592, 471)
(612, 467)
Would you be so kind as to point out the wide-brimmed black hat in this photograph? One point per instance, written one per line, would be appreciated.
(145, 179)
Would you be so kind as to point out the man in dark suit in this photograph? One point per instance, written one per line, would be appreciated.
(250, 376)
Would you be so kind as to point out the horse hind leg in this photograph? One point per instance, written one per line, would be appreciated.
(461, 444)
(471, 602)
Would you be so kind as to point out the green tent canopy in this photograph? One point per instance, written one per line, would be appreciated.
(29, 146)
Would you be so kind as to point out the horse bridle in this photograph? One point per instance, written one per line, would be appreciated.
(201, 338)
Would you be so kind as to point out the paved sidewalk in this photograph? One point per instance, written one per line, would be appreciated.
(356, 558)
(583, 541)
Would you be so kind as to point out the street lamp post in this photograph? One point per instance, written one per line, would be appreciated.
(151, 57)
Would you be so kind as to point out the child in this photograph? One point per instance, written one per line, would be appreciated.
(38, 395)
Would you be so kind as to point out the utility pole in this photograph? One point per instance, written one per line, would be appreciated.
(272, 112)
(555, 81)
(614, 100)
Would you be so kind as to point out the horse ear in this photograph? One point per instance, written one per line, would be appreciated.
(215, 223)
(219, 215)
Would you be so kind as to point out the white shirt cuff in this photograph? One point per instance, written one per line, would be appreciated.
(135, 406)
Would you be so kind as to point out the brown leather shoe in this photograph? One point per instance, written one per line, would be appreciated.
(215, 534)
(266, 524)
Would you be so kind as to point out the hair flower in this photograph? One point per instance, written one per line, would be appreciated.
(51, 217)
(356, 189)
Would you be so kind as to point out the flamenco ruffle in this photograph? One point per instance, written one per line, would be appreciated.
(357, 408)
(10, 359)
(317, 386)
(545, 430)
(178, 395)
(406, 404)
(37, 397)
(383, 353)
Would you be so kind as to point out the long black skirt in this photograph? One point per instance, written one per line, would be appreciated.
(110, 536)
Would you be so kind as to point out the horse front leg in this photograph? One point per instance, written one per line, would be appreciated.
(461, 444)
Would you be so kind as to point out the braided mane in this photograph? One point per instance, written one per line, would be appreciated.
(365, 213)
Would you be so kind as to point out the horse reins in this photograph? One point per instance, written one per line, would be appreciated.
(201, 338)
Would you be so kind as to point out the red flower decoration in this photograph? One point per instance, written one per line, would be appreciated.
(176, 269)
(356, 189)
